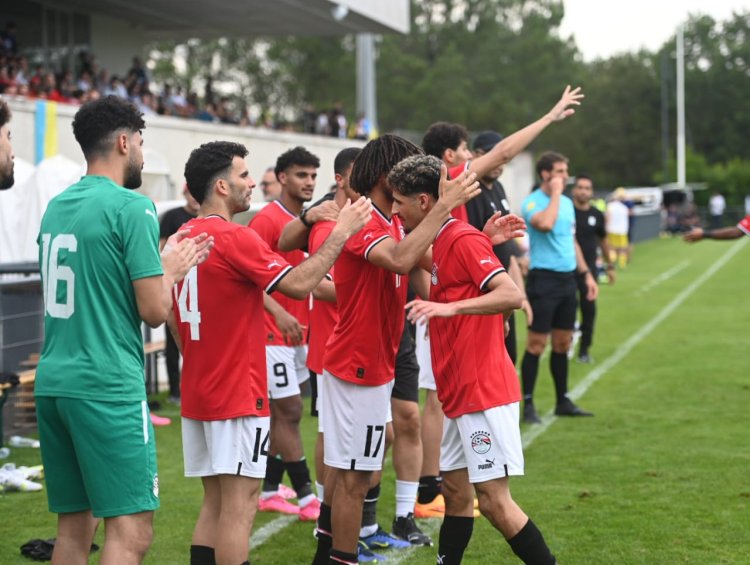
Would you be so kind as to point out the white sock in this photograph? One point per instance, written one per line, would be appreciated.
(365, 531)
(305, 500)
(266, 494)
(320, 490)
(406, 498)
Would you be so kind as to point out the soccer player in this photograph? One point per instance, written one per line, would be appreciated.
(591, 234)
(102, 276)
(170, 223)
(556, 260)
(477, 385)
(225, 410)
(449, 142)
(286, 322)
(6, 149)
(618, 226)
(733, 232)
(360, 355)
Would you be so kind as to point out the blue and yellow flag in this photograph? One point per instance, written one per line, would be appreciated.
(45, 132)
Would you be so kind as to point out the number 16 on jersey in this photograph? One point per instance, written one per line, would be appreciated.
(187, 303)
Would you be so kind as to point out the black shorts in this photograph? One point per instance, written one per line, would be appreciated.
(406, 383)
(313, 393)
(553, 299)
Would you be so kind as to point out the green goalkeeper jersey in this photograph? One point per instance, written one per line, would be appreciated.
(96, 238)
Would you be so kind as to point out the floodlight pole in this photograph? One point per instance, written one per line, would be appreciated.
(680, 107)
(366, 82)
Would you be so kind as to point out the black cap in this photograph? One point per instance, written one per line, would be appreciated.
(487, 140)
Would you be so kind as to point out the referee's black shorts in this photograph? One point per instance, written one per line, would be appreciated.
(553, 298)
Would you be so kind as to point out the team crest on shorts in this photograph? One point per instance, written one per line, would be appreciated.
(156, 485)
(434, 278)
(481, 442)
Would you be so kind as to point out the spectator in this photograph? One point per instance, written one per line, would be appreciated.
(716, 206)
(618, 221)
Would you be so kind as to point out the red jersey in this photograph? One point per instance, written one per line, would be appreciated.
(473, 371)
(460, 212)
(269, 223)
(744, 224)
(362, 348)
(323, 315)
(217, 307)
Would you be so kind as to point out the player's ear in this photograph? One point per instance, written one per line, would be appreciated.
(424, 200)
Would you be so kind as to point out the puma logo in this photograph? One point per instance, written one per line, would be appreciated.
(273, 264)
(488, 260)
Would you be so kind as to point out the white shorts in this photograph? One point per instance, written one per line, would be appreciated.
(424, 358)
(354, 419)
(238, 446)
(287, 369)
(487, 443)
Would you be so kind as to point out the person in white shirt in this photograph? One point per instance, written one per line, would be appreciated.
(618, 221)
(716, 207)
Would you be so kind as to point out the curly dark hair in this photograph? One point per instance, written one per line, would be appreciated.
(417, 174)
(297, 156)
(441, 136)
(376, 160)
(96, 122)
(208, 163)
(4, 113)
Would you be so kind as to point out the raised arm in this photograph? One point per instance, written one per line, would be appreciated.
(301, 280)
(295, 233)
(512, 145)
(401, 257)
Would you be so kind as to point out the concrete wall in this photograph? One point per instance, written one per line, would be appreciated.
(174, 138)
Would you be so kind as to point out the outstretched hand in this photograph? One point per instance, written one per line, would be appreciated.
(354, 215)
(458, 191)
(696, 234)
(501, 228)
(563, 109)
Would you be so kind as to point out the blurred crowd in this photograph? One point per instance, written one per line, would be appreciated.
(88, 81)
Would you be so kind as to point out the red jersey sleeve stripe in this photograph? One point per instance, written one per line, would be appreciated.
(374, 243)
(272, 285)
(487, 279)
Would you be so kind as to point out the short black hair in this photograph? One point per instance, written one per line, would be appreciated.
(416, 174)
(298, 156)
(585, 176)
(209, 162)
(345, 158)
(4, 113)
(97, 121)
(547, 160)
(376, 160)
(441, 136)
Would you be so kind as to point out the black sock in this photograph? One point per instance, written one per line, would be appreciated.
(299, 474)
(274, 474)
(323, 533)
(429, 488)
(343, 558)
(455, 534)
(529, 371)
(530, 546)
(370, 507)
(558, 366)
(202, 555)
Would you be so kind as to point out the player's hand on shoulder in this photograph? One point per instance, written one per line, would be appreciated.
(501, 228)
(456, 192)
(328, 211)
(563, 109)
(182, 252)
(354, 215)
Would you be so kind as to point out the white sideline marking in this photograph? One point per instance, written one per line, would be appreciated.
(594, 375)
(432, 525)
(665, 276)
(264, 533)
